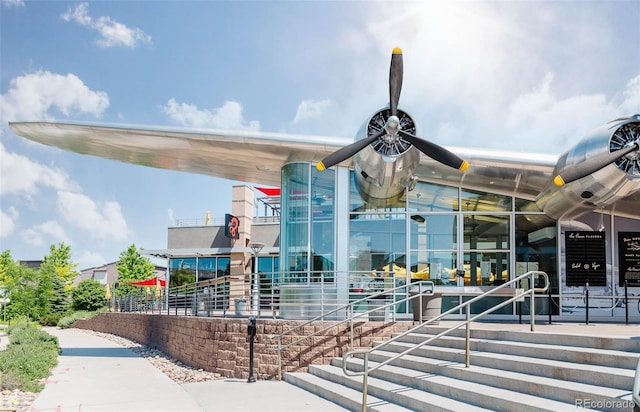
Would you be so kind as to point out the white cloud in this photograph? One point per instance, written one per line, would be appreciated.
(112, 33)
(51, 230)
(100, 220)
(23, 176)
(540, 121)
(7, 221)
(90, 259)
(33, 95)
(171, 216)
(13, 3)
(630, 103)
(228, 116)
(311, 109)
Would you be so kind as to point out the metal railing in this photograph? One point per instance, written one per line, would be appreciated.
(518, 295)
(636, 386)
(411, 291)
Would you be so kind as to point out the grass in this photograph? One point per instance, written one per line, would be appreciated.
(28, 359)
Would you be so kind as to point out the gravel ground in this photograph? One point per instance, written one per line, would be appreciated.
(177, 371)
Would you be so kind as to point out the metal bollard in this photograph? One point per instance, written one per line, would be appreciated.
(251, 331)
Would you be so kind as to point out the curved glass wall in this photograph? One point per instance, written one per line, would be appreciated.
(307, 239)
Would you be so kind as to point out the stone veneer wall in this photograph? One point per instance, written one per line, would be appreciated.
(221, 345)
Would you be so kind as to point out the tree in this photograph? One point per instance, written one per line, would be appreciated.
(88, 295)
(132, 267)
(56, 280)
(59, 262)
(20, 286)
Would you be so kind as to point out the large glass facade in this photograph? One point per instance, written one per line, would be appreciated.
(435, 232)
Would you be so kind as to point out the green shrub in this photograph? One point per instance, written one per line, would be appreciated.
(67, 321)
(29, 358)
(88, 295)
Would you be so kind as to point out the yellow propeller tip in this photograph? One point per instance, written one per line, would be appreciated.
(397, 50)
(464, 166)
(320, 166)
(558, 180)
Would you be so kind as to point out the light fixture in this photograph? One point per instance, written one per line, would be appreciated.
(255, 247)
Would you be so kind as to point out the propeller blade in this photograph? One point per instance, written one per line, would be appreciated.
(592, 165)
(436, 152)
(347, 151)
(395, 80)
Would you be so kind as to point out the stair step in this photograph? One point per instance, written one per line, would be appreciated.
(549, 368)
(571, 340)
(549, 388)
(481, 395)
(582, 355)
(340, 394)
(407, 397)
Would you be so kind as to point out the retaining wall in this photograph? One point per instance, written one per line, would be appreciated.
(221, 345)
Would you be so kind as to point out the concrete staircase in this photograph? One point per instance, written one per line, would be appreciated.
(510, 371)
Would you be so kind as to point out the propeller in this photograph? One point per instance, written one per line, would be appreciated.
(592, 165)
(392, 128)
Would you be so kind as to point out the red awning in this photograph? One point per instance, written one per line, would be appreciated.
(270, 191)
(148, 282)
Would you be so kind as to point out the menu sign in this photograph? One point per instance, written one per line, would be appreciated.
(586, 258)
(629, 258)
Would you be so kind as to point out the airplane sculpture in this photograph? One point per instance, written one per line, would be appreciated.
(601, 172)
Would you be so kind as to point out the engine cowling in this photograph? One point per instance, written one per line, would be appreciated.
(385, 168)
(604, 187)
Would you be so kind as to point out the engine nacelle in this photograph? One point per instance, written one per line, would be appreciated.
(385, 168)
(604, 187)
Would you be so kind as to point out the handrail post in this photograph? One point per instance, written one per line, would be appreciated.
(533, 301)
(626, 303)
(365, 382)
(587, 305)
(467, 343)
(351, 316)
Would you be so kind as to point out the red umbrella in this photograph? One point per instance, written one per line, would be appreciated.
(148, 282)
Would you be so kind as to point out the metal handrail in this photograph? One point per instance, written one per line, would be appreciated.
(636, 386)
(519, 294)
(351, 315)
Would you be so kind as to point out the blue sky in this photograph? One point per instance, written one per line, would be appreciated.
(516, 75)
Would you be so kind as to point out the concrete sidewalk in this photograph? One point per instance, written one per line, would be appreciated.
(95, 374)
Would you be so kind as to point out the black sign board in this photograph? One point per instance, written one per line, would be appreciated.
(586, 258)
(629, 258)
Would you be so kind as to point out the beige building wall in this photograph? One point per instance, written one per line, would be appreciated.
(242, 206)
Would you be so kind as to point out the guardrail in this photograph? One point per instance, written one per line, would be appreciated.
(351, 314)
(518, 294)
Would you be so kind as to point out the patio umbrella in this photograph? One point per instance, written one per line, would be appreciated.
(107, 292)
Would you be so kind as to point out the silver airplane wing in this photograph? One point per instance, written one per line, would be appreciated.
(247, 156)
(257, 157)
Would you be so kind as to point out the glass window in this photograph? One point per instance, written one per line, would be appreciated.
(436, 266)
(223, 266)
(434, 232)
(295, 216)
(376, 240)
(473, 201)
(429, 197)
(206, 268)
(482, 232)
(182, 271)
(486, 268)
